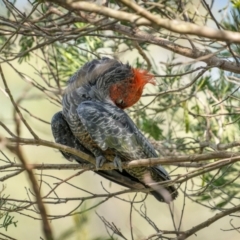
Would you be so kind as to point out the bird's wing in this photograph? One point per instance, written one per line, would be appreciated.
(63, 135)
(111, 128)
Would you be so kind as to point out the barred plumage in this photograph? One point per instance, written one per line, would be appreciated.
(93, 115)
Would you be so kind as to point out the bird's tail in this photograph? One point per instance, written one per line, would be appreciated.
(160, 192)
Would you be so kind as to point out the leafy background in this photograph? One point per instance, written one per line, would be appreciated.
(175, 125)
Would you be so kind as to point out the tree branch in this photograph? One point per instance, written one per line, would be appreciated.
(206, 223)
(167, 160)
(46, 226)
(202, 55)
(148, 20)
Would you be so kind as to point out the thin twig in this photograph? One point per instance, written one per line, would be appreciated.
(15, 105)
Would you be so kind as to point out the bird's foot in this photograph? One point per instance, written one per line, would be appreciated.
(100, 160)
(118, 163)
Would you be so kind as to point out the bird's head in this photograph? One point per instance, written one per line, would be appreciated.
(127, 92)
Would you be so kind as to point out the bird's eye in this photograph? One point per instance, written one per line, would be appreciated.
(120, 102)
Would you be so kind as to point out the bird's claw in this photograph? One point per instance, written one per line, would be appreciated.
(117, 163)
(100, 160)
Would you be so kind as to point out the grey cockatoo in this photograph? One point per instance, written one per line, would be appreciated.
(93, 121)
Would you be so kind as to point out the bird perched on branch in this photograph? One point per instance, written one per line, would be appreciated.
(93, 121)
